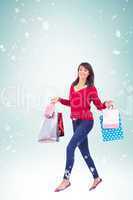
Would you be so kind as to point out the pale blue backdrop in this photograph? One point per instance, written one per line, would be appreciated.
(42, 42)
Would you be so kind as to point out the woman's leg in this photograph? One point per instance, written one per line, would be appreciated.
(80, 133)
(81, 129)
(84, 149)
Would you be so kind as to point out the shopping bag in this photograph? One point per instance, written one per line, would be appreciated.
(110, 118)
(110, 134)
(49, 110)
(60, 126)
(48, 131)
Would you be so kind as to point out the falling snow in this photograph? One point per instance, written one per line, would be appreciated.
(39, 18)
(13, 58)
(38, 1)
(85, 156)
(53, 3)
(124, 9)
(67, 174)
(7, 127)
(27, 35)
(92, 169)
(118, 33)
(17, 10)
(35, 26)
(2, 48)
(8, 148)
(116, 52)
(45, 25)
(114, 17)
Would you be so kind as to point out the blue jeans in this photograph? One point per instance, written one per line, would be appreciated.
(81, 128)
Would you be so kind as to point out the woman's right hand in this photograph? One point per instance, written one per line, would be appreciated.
(54, 99)
(109, 104)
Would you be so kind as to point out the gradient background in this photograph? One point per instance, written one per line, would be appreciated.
(41, 44)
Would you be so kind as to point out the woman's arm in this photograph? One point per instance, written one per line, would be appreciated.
(96, 100)
(65, 102)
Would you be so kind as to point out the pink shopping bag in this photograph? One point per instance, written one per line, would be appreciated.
(110, 118)
(49, 110)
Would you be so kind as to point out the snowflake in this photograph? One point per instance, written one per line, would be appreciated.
(13, 151)
(27, 35)
(67, 174)
(14, 46)
(86, 157)
(8, 147)
(116, 52)
(45, 25)
(39, 18)
(124, 155)
(13, 58)
(92, 169)
(124, 9)
(53, 3)
(2, 48)
(7, 127)
(118, 34)
(17, 10)
(114, 17)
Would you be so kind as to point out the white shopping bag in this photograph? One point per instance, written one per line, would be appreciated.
(48, 131)
(49, 110)
(110, 118)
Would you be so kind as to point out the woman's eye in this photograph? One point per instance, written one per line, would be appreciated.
(81, 70)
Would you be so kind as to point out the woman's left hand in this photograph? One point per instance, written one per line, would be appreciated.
(109, 103)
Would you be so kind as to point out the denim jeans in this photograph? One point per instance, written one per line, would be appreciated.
(81, 129)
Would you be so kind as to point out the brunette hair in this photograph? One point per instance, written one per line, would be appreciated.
(90, 78)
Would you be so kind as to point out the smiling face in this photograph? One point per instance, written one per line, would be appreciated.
(83, 73)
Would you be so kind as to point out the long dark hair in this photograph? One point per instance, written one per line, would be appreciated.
(90, 78)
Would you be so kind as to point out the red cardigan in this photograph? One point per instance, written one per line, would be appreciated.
(79, 102)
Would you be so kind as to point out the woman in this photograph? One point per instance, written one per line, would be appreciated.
(82, 93)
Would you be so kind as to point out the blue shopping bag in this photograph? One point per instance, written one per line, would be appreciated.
(110, 134)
